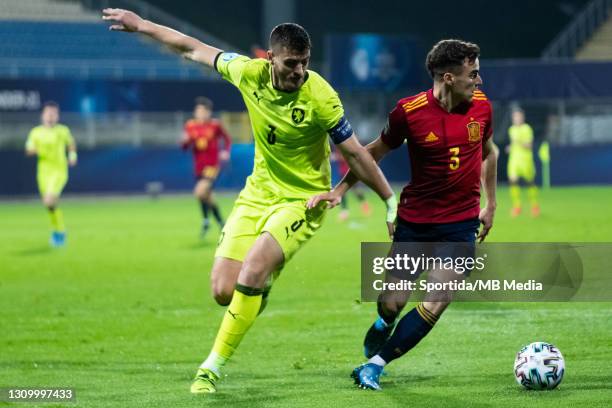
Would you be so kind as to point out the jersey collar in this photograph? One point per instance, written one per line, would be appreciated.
(461, 108)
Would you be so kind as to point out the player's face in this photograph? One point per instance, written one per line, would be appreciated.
(49, 116)
(468, 80)
(201, 113)
(518, 118)
(288, 68)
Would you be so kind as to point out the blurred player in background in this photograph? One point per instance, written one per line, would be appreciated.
(49, 142)
(202, 135)
(343, 168)
(521, 164)
(293, 111)
(448, 130)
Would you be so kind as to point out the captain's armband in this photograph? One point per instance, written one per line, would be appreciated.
(341, 131)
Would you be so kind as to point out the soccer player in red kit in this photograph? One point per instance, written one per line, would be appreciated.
(202, 135)
(448, 131)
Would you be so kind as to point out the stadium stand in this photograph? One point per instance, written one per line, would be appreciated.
(60, 39)
(71, 49)
(45, 10)
(586, 37)
(599, 47)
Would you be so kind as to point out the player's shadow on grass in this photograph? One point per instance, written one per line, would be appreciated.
(247, 397)
(393, 380)
(251, 390)
(38, 250)
(201, 244)
(587, 383)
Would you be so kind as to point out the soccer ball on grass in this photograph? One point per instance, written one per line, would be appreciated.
(539, 366)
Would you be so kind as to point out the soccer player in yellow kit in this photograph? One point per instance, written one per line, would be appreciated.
(293, 111)
(49, 142)
(521, 164)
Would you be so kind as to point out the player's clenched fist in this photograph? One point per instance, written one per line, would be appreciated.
(126, 20)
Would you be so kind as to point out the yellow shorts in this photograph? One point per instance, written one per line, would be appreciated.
(524, 169)
(288, 221)
(209, 173)
(51, 182)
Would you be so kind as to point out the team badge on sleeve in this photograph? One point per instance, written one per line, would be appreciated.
(298, 115)
(228, 56)
(473, 132)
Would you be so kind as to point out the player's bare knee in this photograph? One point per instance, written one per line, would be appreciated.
(49, 202)
(200, 195)
(222, 288)
(222, 295)
(207, 194)
(254, 273)
(223, 279)
(200, 190)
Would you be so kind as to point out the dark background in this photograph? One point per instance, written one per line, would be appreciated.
(517, 29)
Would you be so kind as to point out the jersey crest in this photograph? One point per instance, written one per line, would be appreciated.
(298, 115)
(473, 131)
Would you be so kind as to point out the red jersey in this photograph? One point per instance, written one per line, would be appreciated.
(203, 139)
(445, 156)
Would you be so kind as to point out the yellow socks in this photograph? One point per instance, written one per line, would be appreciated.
(238, 319)
(515, 194)
(532, 193)
(57, 220)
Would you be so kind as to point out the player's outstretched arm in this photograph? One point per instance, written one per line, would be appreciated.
(490, 153)
(377, 149)
(188, 47)
(362, 164)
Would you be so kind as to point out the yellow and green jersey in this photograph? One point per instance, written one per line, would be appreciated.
(519, 136)
(50, 144)
(290, 128)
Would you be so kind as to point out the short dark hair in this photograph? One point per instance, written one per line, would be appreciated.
(204, 101)
(292, 36)
(51, 104)
(449, 55)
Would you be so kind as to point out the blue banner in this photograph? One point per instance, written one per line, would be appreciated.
(129, 169)
(374, 62)
(99, 96)
(124, 169)
(517, 79)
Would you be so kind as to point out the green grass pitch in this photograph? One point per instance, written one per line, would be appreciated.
(124, 315)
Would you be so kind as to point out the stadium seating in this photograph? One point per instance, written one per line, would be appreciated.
(599, 47)
(59, 39)
(45, 10)
(69, 49)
